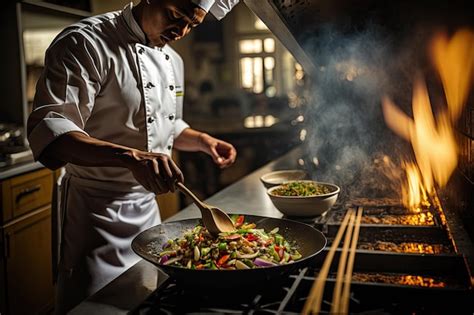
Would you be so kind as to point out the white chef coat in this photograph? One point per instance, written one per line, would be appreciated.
(101, 79)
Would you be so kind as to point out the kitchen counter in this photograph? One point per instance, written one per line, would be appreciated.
(246, 196)
(19, 168)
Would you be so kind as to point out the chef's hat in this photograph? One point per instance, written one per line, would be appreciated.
(218, 8)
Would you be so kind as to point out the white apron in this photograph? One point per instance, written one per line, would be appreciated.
(99, 222)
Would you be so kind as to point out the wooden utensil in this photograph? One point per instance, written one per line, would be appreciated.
(341, 293)
(213, 218)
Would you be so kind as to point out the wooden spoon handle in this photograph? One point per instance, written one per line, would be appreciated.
(188, 192)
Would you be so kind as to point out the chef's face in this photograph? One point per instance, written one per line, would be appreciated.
(164, 21)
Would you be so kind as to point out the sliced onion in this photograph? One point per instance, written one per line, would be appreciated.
(197, 253)
(263, 263)
(241, 265)
(173, 260)
(164, 259)
(274, 231)
(247, 256)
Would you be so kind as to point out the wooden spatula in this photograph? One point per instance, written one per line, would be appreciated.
(214, 219)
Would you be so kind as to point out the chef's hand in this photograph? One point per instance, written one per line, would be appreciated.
(155, 171)
(223, 153)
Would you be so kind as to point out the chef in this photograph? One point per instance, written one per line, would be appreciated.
(108, 107)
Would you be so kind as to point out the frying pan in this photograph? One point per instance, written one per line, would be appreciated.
(310, 243)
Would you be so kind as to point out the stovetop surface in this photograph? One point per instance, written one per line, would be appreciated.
(290, 297)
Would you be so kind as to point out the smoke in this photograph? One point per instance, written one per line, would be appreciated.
(346, 133)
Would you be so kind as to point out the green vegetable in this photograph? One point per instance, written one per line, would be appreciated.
(205, 251)
(274, 254)
(301, 189)
(278, 239)
(222, 246)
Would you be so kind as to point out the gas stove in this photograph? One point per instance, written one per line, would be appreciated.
(405, 263)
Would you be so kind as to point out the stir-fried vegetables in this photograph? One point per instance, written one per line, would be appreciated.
(301, 189)
(247, 247)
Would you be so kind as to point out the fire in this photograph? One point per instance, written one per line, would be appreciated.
(433, 137)
(414, 194)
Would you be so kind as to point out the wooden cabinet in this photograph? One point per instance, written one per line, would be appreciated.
(25, 193)
(26, 263)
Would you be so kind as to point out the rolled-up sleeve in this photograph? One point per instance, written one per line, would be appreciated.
(179, 126)
(65, 92)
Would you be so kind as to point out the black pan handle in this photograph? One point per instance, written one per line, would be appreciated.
(27, 191)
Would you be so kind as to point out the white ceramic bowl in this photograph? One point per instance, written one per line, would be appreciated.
(279, 177)
(305, 206)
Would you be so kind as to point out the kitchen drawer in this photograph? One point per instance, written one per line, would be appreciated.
(25, 193)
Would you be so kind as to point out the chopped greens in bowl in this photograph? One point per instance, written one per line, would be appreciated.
(300, 188)
(304, 198)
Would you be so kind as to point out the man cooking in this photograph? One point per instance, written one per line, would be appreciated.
(108, 107)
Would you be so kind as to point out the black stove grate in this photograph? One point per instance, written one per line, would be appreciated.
(290, 297)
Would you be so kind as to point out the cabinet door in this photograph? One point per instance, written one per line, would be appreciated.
(28, 263)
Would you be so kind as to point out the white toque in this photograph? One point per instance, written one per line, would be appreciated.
(204, 4)
(218, 8)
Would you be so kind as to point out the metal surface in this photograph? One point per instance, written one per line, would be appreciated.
(269, 14)
(125, 292)
(18, 169)
(310, 243)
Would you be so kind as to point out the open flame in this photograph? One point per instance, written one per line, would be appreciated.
(433, 138)
(414, 194)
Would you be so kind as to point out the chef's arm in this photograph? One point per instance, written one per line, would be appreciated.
(156, 172)
(223, 153)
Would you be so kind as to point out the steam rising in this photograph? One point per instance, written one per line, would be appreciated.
(346, 130)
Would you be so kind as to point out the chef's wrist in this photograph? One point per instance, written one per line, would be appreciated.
(201, 139)
(127, 158)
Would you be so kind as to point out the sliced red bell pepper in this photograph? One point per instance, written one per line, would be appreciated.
(222, 260)
(251, 237)
(239, 221)
(280, 250)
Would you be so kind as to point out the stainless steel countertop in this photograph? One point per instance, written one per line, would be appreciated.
(18, 169)
(246, 196)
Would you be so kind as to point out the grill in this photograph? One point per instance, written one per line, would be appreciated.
(405, 263)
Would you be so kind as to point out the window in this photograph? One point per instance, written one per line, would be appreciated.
(264, 65)
(257, 65)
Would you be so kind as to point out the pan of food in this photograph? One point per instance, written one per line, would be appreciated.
(261, 250)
